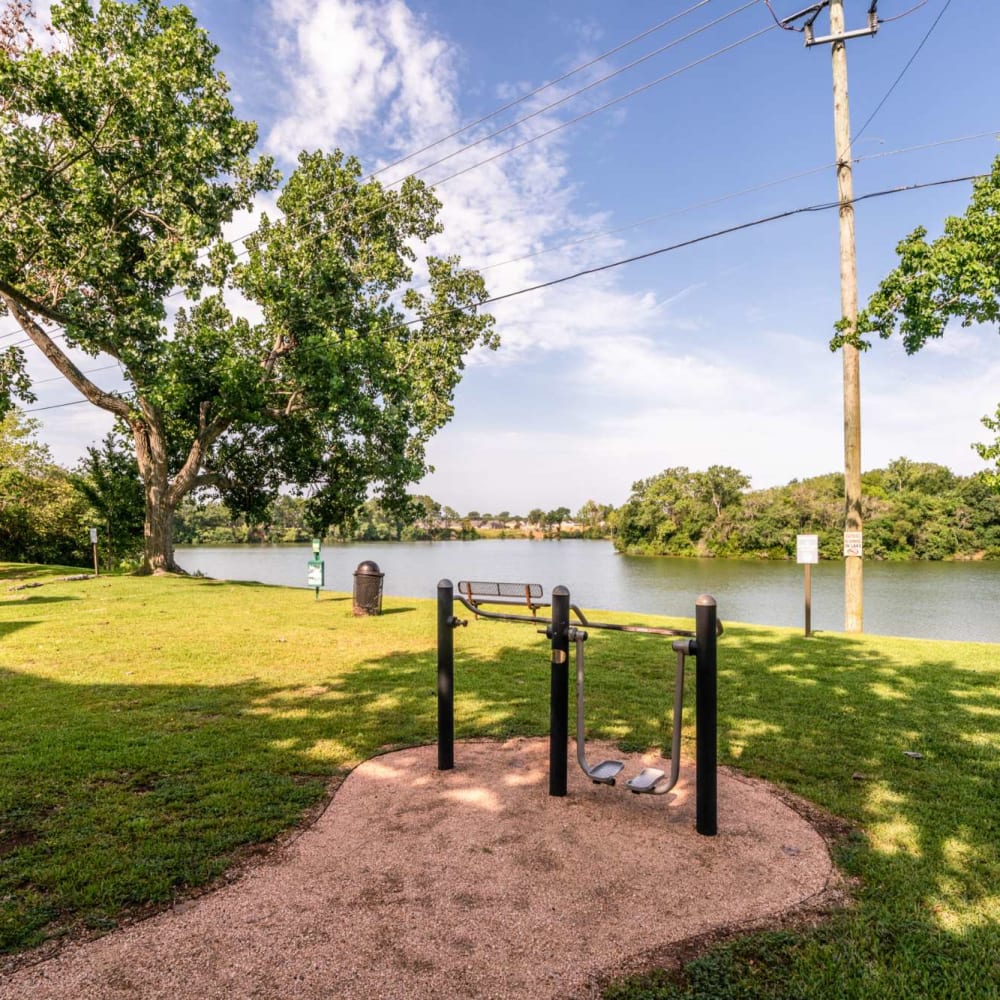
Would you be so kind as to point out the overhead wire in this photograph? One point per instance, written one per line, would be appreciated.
(857, 135)
(543, 87)
(605, 106)
(705, 237)
(576, 93)
(821, 207)
(906, 13)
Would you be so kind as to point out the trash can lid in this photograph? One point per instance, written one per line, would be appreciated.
(368, 568)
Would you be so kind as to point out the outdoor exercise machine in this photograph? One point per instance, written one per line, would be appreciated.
(701, 644)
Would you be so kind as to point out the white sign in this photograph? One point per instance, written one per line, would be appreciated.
(93, 536)
(314, 574)
(852, 543)
(807, 548)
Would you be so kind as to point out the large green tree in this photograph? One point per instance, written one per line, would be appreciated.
(120, 160)
(956, 276)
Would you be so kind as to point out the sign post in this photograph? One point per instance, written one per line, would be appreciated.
(807, 553)
(314, 577)
(93, 545)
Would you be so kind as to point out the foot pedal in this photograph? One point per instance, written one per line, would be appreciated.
(645, 780)
(605, 772)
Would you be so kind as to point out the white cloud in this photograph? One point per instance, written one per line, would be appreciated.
(401, 80)
(963, 341)
(359, 67)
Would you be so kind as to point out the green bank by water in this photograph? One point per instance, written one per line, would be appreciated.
(152, 731)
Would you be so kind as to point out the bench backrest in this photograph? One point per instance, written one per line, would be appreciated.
(481, 588)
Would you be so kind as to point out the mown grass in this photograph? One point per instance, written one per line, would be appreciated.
(152, 729)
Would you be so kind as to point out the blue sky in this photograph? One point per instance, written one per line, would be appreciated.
(714, 354)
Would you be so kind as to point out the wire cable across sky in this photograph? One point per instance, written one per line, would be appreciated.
(673, 247)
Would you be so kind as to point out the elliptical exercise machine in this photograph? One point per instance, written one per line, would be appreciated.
(701, 644)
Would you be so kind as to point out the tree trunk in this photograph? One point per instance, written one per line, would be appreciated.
(158, 529)
(159, 536)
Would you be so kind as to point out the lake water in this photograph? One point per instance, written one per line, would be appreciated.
(930, 600)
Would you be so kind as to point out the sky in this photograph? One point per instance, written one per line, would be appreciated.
(715, 353)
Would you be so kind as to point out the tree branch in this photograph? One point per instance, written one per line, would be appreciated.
(28, 304)
(76, 378)
(208, 434)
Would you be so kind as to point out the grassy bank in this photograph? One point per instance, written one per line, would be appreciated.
(153, 730)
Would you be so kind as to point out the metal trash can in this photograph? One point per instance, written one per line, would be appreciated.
(368, 589)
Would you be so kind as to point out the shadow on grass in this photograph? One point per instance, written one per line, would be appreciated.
(9, 628)
(116, 795)
(906, 744)
(39, 599)
(31, 571)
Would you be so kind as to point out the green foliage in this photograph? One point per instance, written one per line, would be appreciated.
(912, 510)
(956, 276)
(108, 479)
(680, 512)
(354, 391)
(991, 452)
(42, 517)
(554, 518)
(209, 522)
(120, 160)
(595, 519)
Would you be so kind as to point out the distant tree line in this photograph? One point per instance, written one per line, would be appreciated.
(208, 522)
(912, 510)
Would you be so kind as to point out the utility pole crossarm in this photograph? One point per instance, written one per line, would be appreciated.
(842, 36)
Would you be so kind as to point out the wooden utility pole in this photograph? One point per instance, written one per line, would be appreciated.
(853, 553)
(854, 598)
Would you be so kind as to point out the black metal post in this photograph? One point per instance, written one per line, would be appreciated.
(559, 692)
(706, 708)
(446, 677)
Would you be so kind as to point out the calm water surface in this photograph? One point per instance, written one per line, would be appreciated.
(930, 600)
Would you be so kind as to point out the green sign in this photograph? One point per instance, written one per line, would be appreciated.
(315, 573)
(316, 543)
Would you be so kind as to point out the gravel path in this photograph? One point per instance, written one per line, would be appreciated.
(471, 883)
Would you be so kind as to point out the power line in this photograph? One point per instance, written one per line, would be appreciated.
(576, 93)
(608, 104)
(821, 207)
(906, 13)
(538, 90)
(902, 72)
(59, 378)
(56, 406)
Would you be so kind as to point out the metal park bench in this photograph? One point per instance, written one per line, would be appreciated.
(478, 592)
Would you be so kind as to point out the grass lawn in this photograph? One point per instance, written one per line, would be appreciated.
(153, 730)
